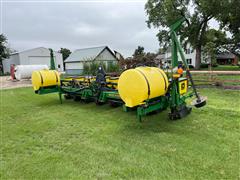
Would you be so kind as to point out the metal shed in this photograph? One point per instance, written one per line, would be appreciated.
(34, 56)
(74, 63)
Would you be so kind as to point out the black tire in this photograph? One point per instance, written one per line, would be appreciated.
(98, 102)
(76, 98)
(67, 96)
(114, 104)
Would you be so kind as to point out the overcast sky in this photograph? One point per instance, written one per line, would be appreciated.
(74, 25)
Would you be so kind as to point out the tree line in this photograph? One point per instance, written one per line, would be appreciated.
(196, 30)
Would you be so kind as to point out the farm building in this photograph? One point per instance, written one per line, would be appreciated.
(34, 56)
(75, 62)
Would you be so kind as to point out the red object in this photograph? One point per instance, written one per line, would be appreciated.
(12, 71)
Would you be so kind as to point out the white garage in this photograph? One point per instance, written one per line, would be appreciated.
(39, 56)
(75, 62)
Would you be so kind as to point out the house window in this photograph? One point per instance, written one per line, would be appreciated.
(188, 51)
(59, 66)
(189, 61)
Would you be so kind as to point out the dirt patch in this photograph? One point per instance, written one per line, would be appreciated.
(7, 83)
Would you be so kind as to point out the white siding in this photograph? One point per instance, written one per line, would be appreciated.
(106, 56)
(77, 67)
(58, 61)
(74, 65)
(74, 68)
(40, 56)
(39, 60)
(190, 54)
(33, 56)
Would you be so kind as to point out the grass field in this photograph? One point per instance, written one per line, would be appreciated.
(233, 80)
(223, 68)
(42, 139)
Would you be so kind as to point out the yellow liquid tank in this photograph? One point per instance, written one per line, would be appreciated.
(45, 78)
(142, 83)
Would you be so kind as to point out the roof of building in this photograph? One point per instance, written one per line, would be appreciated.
(18, 52)
(160, 56)
(225, 55)
(87, 54)
(163, 57)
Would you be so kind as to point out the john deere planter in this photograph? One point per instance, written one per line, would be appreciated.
(144, 89)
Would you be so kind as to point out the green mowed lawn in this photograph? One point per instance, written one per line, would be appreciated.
(43, 139)
(223, 68)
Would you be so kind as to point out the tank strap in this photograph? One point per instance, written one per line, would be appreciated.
(149, 91)
(56, 76)
(41, 77)
(165, 83)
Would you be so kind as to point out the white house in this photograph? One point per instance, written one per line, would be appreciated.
(34, 56)
(74, 63)
(190, 55)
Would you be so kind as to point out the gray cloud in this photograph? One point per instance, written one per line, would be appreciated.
(75, 25)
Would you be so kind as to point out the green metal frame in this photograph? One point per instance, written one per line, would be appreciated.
(52, 63)
(106, 95)
(47, 90)
(84, 93)
(156, 104)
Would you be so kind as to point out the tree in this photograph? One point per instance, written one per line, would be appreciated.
(230, 20)
(139, 52)
(139, 58)
(4, 51)
(213, 40)
(210, 53)
(138, 55)
(65, 53)
(163, 13)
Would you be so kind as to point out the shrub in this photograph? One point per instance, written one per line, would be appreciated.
(203, 65)
(93, 68)
(86, 69)
(191, 66)
(113, 68)
(215, 65)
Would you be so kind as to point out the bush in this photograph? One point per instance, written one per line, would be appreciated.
(91, 68)
(191, 66)
(86, 69)
(113, 68)
(215, 65)
(202, 65)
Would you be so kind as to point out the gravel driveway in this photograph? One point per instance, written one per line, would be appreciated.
(7, 83)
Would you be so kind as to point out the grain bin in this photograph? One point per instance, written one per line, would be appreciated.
(142, 83)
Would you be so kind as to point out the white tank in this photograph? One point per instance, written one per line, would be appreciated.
(25, 71)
